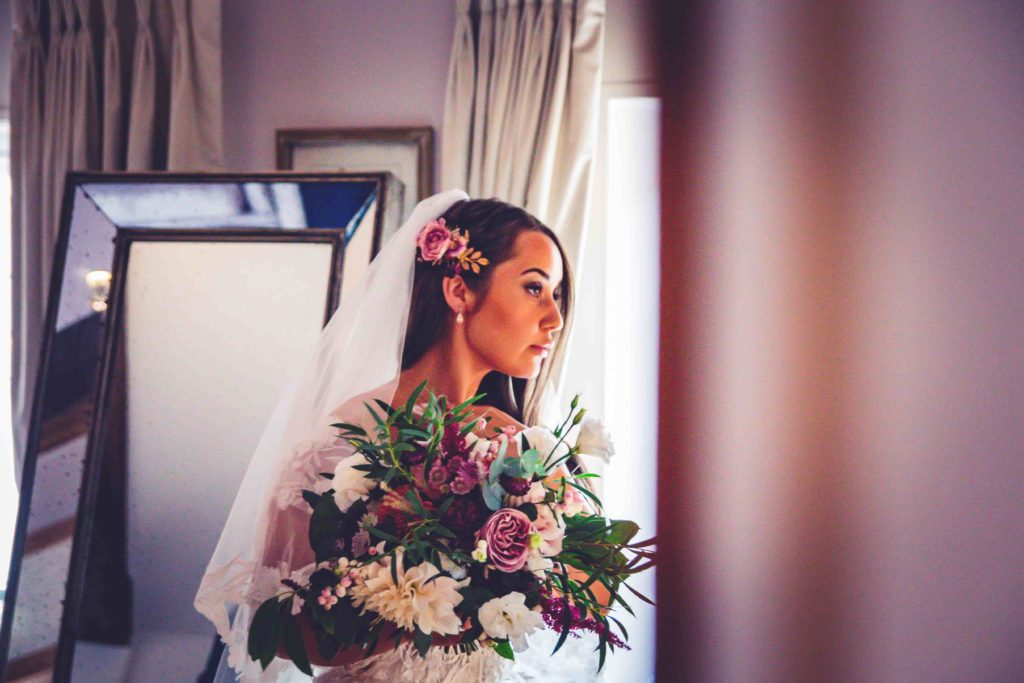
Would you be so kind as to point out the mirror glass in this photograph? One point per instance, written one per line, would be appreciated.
(183, 307)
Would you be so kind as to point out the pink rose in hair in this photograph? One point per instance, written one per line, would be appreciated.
(434, 240)
(507, 533)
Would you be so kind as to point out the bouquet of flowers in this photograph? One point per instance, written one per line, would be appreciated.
(430, 530)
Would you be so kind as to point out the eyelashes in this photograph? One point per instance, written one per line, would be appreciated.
(538, 288)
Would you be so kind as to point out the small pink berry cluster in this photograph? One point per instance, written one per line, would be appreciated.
(329, 595)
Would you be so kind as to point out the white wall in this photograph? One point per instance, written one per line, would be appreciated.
(330, 63)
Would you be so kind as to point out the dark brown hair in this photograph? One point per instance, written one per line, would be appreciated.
(493, 227)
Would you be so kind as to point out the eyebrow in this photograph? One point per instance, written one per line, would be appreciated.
(538, 270)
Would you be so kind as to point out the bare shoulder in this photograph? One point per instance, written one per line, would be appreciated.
(353, 410)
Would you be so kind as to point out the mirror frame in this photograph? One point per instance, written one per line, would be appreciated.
(110, 347)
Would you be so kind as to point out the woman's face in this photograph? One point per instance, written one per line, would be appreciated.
(520, 312)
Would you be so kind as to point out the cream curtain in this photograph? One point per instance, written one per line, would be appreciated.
(521, 108)
(98, 85)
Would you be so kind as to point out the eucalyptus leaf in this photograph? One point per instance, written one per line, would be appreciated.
(493, 494)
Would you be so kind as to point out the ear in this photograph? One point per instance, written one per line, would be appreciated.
(457, 294)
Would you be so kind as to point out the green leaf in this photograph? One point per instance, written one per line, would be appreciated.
(587, 475)
(294, 645)
(468, 401)
(382, 535)
(467, 428)
(351, 428)
(312, 498)
(264, 632)
(422, 642)
(417, 505)
(567, 613)
(376, 417)
(386, 407)
(504, 648)
(625, 633)
(639, 594)
(327, 647)
(622, 531)
(411, 401)
(322, 618)
(444, 506)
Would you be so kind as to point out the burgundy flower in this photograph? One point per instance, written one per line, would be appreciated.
(464, 515)
(507, 533)
(433, 491)
(516, 486)
(439, 475)
(554, 608)
(360, 543)
(415, 457)
(452, 443)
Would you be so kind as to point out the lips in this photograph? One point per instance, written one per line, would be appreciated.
(536, 348)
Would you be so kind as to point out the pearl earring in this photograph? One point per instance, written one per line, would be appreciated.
(459, 318)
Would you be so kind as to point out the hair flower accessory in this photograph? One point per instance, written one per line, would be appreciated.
(443, 245)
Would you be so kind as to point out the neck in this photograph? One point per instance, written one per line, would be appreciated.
(450, 368)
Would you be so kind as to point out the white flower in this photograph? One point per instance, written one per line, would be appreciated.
(538, 564)
(551, 530)
(297, 602)
(544, 441)
(414, 600)
(594, 440)
(478, 446)
(480, 552)
(302, 472)
(455, 570)
(573, 503)
(350, 484)
(509, 617)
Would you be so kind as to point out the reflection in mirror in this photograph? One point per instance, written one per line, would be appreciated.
(180, 308)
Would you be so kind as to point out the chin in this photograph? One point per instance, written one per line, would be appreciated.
(527, 371)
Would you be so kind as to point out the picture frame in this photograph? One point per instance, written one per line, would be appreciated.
(407, 152)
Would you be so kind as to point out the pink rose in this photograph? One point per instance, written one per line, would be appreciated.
(434, 240)
(507, 533)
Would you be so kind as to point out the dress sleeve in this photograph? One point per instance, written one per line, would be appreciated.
(286, 544)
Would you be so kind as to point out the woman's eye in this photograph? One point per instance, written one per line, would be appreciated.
(538, 288)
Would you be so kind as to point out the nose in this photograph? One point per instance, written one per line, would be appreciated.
(552, 317)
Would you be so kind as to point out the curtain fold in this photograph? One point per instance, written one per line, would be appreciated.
(29, 71)
(97, 85)
(521, 109)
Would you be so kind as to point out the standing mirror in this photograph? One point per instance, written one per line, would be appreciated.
(179, 308)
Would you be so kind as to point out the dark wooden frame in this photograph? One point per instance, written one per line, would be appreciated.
(288, 138)
(103, 394)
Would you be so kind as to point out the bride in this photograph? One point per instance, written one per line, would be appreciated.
(482, 314)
